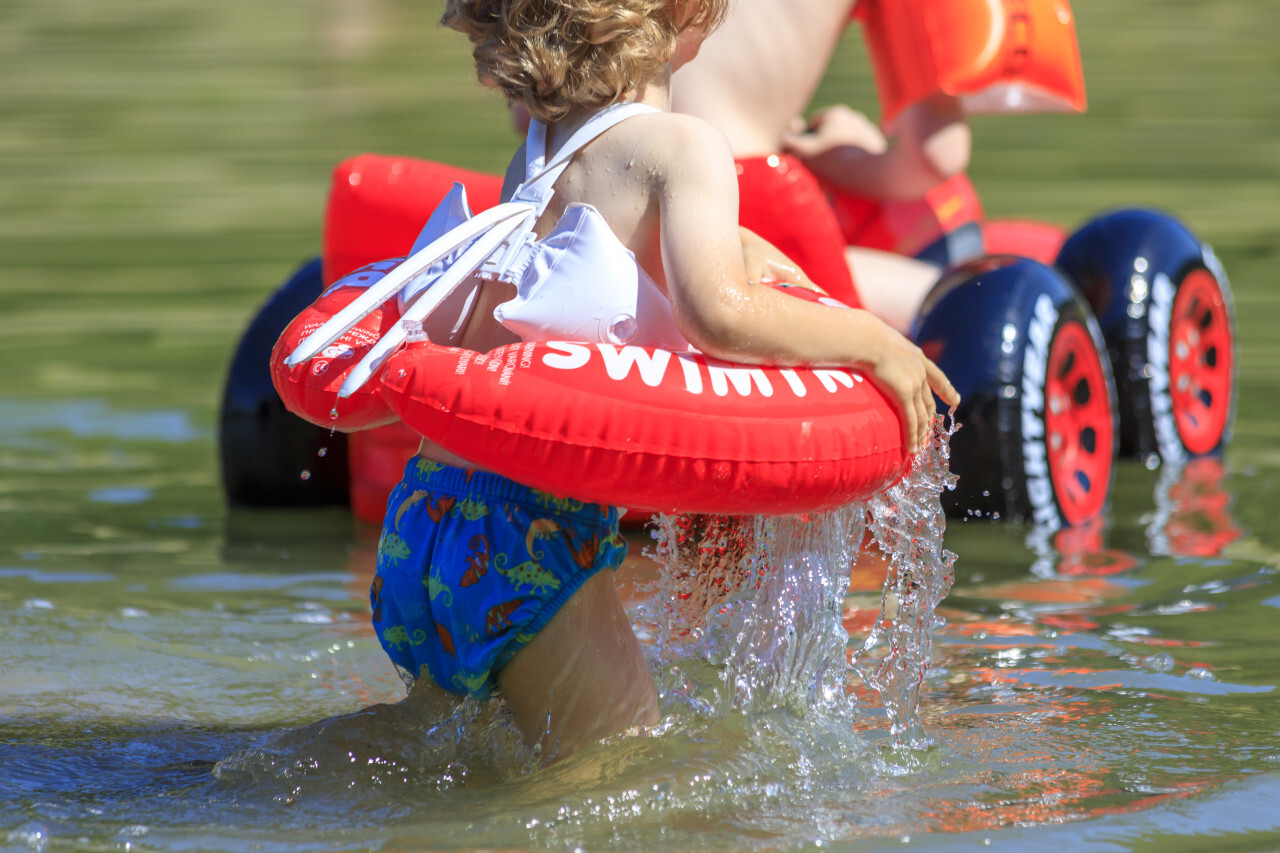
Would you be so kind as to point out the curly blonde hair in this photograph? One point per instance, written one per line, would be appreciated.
(558, 55)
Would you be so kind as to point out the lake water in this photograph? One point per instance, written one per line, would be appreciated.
(164, 166)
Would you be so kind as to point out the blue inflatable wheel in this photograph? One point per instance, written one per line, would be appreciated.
(269, 456)
(1037, 436)
(1164, 306)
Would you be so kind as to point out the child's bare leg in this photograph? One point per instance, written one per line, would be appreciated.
(583, 677)
(370, 731)
(890, 286)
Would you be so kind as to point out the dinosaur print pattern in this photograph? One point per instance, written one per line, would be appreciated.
(472, 509)
(392, 548)
(477, 561)
(398, 637)
(527, 574)
(437, 588)
(471, 566)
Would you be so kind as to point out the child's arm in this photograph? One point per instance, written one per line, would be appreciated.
(931, 143)
(729, 317)
(765, 262)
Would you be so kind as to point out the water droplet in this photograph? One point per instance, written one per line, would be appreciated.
(333, 413)
(306, 475)
(322, 451)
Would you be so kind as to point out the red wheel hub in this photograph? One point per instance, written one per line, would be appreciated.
(1079, 425)
(1200, 368)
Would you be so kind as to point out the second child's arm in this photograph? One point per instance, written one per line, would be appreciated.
(726, 316)
(931, 142)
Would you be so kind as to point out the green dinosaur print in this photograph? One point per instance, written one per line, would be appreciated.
(563, 505)
(392, 548)
(472, 509)
(469, 682)
(437, 587)
(528, 574)
(397, 637)
(426, 468)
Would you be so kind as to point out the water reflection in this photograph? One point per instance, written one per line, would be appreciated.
(1192, 516)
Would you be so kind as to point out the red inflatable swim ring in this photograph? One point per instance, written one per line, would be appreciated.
(310, 389)
(639, 427)
(650, 429)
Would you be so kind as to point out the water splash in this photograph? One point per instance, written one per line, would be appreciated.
(907, 522)
(747, 612)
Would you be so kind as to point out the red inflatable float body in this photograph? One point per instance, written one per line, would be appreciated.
(312, 387)
(376, 207)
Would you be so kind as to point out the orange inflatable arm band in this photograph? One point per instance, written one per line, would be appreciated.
(998, 56)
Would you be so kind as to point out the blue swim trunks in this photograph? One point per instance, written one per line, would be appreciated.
(471, 565)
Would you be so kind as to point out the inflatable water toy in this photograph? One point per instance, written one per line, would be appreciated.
(1142, 315)
(997, 56)
(653, 430)
(1037, 398)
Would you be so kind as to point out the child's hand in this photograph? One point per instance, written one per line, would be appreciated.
(833, 127)
(910, 379)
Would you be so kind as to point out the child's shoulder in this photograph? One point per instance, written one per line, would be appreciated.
(680, 129)
(675, 141)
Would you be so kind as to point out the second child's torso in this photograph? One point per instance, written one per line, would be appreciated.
(760, 69)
